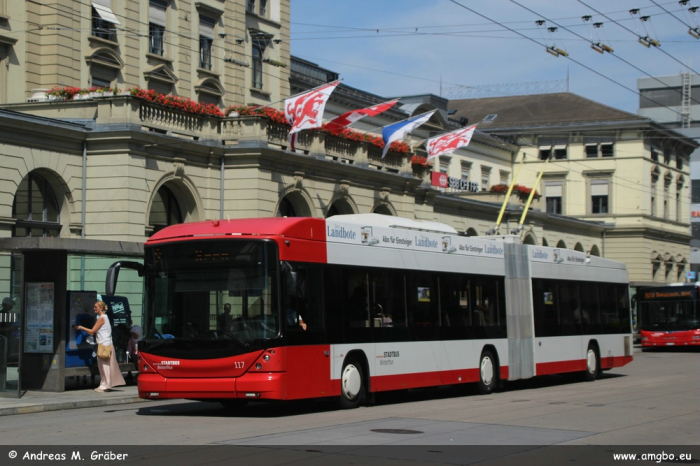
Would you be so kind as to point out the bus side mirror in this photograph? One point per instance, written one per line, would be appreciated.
(113, 274)
(290, 279)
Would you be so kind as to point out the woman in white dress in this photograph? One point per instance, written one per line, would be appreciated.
(110, 374)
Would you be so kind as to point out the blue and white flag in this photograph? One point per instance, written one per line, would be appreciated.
(397, 131)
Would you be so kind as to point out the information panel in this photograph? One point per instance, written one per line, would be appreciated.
(39, 331)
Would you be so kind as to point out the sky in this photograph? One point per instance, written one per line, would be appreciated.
(408, 47)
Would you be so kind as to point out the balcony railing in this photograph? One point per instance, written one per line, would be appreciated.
(150, 116)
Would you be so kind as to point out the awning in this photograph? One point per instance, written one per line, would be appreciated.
(105, 13)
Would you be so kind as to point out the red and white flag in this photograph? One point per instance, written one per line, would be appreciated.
(449, 142)
(305, 111)
(346, 119)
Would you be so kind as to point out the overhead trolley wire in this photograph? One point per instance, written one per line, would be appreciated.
(679, 91)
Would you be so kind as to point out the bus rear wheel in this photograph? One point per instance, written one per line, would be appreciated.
(352, 388)
(488, 368)
(592, 364)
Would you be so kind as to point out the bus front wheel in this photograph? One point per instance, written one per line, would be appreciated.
(351, 385)
(487, 373)
(592, 364)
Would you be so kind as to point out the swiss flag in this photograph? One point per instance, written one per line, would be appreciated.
(348, 118)
(305, 111)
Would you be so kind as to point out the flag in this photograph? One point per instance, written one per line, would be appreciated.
(397, 131)
(305, 111)
(449, 142)
(348, 118)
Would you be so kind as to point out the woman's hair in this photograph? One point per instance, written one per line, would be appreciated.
(103, 305)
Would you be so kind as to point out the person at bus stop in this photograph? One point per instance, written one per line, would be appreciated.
(293, 317)
(110, 373)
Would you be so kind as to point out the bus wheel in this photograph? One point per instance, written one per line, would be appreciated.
(351, 387)
(487, 373)
(233, 404)
(592, 364)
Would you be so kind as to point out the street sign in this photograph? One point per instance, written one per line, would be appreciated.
(690, 275)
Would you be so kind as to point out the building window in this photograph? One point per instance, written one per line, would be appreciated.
(678, 203)
(206, 40)
(667, 189)
(591, 150)
(156, 26)
(35, 208)
(679, 162)
(599, 196)
(466, 168)
(165, 210)
(606, 149)
(504, 177)
(263, 8)
(485, 175)
(555, 148)
(104, 21)
(654, 180)
(654, 154)
(259, 45)
(250, 6)
(595, 147)
(667, 156)
(444, 164)
(553, 196)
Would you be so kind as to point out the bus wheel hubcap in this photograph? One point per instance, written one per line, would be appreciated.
(486, 371)
(352, 382)
(591, 361)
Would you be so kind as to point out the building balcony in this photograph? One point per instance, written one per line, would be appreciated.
(126, 111)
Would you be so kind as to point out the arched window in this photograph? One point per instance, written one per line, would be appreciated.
(383, 209)
(165, 210)
(35, 208)
(561, 244)
(340, 207)
(286, 209)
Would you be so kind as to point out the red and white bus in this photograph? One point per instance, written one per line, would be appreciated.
(668, 315)
(292, 308)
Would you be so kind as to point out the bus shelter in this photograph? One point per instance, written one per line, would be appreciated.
(38, 278)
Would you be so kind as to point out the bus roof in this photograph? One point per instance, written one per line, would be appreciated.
(293, 227)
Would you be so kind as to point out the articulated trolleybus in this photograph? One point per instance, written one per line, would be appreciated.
(292, 308)
(669, 315)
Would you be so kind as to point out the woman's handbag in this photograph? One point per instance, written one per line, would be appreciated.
(104, 352)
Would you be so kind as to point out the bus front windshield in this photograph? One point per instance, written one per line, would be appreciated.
(212, 290)
(669, 315)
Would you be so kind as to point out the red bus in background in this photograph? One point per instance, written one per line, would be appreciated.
(668, 315)
(292, 308)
